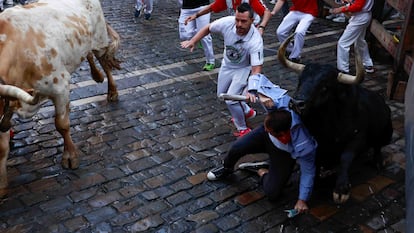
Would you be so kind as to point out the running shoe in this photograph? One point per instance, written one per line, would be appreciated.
(241, 133)
(218, 173)
(254, 166)
(209, 66)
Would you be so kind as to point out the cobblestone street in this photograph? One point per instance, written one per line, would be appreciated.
(144, 158)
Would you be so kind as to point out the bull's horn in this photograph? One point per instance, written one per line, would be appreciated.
(360, 73)
(298, 68)
(18, 93)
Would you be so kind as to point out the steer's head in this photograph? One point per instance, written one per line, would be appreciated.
(318, 84)
(9, 99)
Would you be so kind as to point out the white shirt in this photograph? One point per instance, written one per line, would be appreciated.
(239, 51)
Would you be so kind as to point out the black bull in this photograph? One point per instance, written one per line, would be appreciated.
(345, 118)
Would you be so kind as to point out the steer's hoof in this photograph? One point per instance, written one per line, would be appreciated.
(340, 198)
(112, 97)
(70, 163)
(3, 188)
(3, 193)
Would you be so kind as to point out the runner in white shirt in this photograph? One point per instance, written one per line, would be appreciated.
(243, 56)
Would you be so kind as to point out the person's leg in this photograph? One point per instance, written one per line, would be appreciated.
(186, 32)
(348, 38)
(280, 169)
(251, 143)
(148, 8)
(206, 41)
(285, 27)
(238, 108)
(138, 7)
(300, 32)
(361, 43)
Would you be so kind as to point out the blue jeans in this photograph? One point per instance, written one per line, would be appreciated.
(281, 163)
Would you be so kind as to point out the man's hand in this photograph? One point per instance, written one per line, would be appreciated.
(187, 44)
(190, 18)
(251, 97)
(336, 10)
(266, 101)
(301, 206)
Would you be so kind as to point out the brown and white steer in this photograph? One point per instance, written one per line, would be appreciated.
(41, 44)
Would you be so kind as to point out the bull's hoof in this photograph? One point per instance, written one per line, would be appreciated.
(3, 189)
(112, 97)
(340, 198)
(69, 163)
(3, 193)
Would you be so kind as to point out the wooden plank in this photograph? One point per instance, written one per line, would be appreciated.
(408, 63)
(384, 37)
(400, 5)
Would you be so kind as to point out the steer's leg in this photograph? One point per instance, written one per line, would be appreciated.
(107, 67)
(70, 157)
(106, 58)
(4, 153)
(96, 74)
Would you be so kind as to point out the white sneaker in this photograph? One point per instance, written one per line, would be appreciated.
(331, 16)
(254, 166)
(339, 19)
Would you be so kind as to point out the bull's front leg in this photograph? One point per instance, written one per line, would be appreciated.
(4, 153)
(342, 189)
(70, 157)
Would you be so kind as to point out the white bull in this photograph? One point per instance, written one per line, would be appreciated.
(41, 44)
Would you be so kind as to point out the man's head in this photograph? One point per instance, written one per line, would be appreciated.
(278, 123)
(244, 18)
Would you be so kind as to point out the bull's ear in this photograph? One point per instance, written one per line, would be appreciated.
(298, 68)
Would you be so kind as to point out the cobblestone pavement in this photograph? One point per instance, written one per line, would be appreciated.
(144, 159)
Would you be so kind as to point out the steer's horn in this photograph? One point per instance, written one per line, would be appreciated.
(360, 73)
(298, 68)
(18, 93)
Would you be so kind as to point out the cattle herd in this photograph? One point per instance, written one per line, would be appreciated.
(38, 59)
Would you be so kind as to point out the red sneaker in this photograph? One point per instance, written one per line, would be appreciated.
(250, 115)
(241, 133)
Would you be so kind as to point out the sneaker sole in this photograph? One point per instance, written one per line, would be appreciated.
(251, 164)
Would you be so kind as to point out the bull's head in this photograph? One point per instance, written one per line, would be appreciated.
(323, 78)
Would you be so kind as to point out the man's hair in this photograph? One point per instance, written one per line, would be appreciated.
(245, 7)
(278, 120)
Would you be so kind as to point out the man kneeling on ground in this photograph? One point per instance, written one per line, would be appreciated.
(283, 137)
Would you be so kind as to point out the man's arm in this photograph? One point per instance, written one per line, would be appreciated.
(197, 37)
(262, 25)
(256, 69)
(277, 7)
(203, 11)
(354, 7)
(307, 176)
